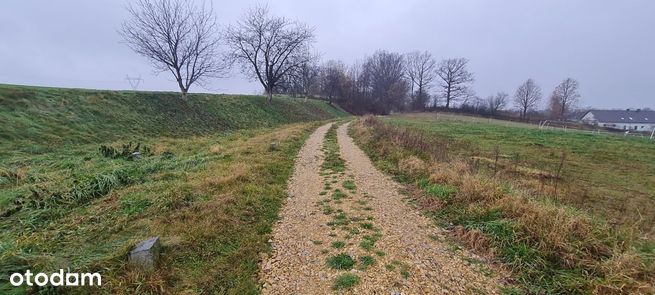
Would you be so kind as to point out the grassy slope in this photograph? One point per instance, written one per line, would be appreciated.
(551, 247)
(34, 115)
(211, 188)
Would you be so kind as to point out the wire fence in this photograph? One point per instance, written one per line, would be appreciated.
(577, 127)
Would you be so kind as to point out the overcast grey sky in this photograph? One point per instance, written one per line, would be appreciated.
(609, 46)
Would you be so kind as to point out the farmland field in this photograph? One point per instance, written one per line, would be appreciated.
(612, 176)
(565, 212)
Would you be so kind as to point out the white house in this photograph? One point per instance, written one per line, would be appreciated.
(637, 120)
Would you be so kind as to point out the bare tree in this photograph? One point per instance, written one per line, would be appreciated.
(269, 47)
(527, 96)
(420, 69)
(304, 80)
(554, 107)
(565, 96)
(454, 79)
(435, 100)
(333, 77)
(497, 102)
(308, 75)
(176, 37)
(386, 86)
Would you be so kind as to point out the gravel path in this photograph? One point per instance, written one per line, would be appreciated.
(357, 213)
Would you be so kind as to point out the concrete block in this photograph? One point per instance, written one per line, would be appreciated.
(145, 254)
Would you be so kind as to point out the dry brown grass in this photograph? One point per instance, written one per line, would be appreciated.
(474, 239)
(216, 149)
(213, 222)
(592, 255)
(412, 166)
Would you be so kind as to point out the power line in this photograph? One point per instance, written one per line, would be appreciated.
(134, 81)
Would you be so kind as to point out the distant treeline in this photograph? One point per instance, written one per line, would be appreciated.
(186, 40)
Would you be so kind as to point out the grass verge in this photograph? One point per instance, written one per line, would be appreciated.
(550, 247)
(206, 180)
(212, 207)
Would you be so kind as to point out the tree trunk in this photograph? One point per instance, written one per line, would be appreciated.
(562, 111)
(183, 89)
(270, 96)
(448, 98)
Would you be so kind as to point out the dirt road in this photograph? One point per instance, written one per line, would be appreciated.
(350, 231)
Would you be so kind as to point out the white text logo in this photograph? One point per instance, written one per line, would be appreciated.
(55, 279)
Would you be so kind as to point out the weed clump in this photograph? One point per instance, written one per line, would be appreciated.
(338, 244)
(127, 151)
(345, 281)
(339, 219)
(368, 241)
(366, 225)
(341, 261)
(333, 161)
(349, 185)
(366, 261)
(338, 195)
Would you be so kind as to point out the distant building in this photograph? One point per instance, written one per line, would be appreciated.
(636, 120)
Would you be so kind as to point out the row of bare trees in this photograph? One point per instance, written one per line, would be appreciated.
(563, 100)
(182, 38)
(527, 99)
(386, 81)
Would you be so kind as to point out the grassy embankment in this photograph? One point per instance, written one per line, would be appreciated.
(587, 228)
(207, 182)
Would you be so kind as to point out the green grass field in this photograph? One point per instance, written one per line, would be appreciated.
(611, 176)
(585, 229)
(207, 182)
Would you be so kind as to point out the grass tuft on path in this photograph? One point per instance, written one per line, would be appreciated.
(341, 261)
(333, 161)
(345, 281)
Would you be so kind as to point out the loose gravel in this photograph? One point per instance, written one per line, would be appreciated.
(356, 222)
